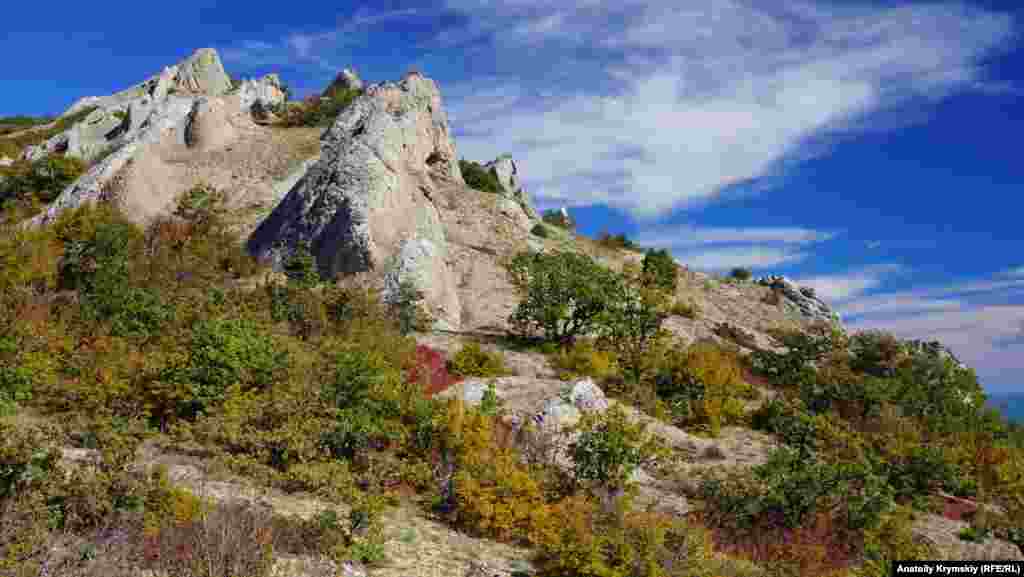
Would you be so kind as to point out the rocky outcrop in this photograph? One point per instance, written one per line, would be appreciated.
(801, 300)
(505, 168)
(86, 139)
(151, 123)
(514, 202)
(202, 73)
(368, 203)
(347, 79)
(187, 107)
(261, 95)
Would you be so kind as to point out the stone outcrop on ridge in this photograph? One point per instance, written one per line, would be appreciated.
(515, 202)
(187, 106)
(200, 73)
(347, 79)
(368, 203)
(800, 299)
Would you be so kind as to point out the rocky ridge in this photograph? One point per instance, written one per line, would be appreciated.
(189, 107)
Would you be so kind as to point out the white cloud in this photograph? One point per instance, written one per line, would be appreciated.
(988, 337)
(312, 48)
(843, 287)
(683, 236)
(747, 257)
(708, 96)
(722, 248)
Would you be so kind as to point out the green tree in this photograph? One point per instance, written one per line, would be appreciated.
(740, 273)
(563, 293)
(660, 270)
(631, 325)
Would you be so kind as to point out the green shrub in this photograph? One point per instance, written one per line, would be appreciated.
(368, 393)
(473, 361)
(660, 270)
(480, 178)
(100, 269)
(631, 325)
(556, 218)
(583, 359)
(698, 383)
(564, 294)
(688, 310)
(202, 205)
(617, 242)
(923, 471)
(790, 489)
(539, 230)
(610, 448)
(223, 353)
(741, 274)
(44, 179)
(405, 306)
(300, 267)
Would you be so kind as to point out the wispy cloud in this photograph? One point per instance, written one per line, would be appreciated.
(747, 257)
(989, 337)
(722, 248)
(835, 288)
(745, 88)
(316, 48)
(682, 236)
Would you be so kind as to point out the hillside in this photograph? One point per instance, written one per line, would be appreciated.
(242, 335)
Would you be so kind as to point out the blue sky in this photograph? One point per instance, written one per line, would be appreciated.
(869, 149)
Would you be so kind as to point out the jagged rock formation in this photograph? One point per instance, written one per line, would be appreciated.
(514, 203)
(262, 94)
(801, 299)
(347, 79)
(368, 203)
(187, 107)
(200, 73)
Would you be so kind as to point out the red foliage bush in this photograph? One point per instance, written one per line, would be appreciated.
(430, 369)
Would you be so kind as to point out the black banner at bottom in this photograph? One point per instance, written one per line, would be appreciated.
(957, 568)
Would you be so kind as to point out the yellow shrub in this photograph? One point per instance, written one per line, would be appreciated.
(473, 361)
(583, 359)
(575, 537)
(711, 379)
(497, 496)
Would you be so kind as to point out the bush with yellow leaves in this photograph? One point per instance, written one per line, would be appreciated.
(584, 359)
(703, 385)
(496, 494)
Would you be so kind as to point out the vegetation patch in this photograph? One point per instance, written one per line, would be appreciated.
(479, 177)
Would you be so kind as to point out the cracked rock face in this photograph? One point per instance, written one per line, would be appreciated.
(514, 202)
(183, 107)
(367, 204)
(801, 299)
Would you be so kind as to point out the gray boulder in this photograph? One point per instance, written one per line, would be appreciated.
(514, 203)
(201, 73)
(505, 168)
(263, 93)
(368, 203)
(150, 123)
(801, 300)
